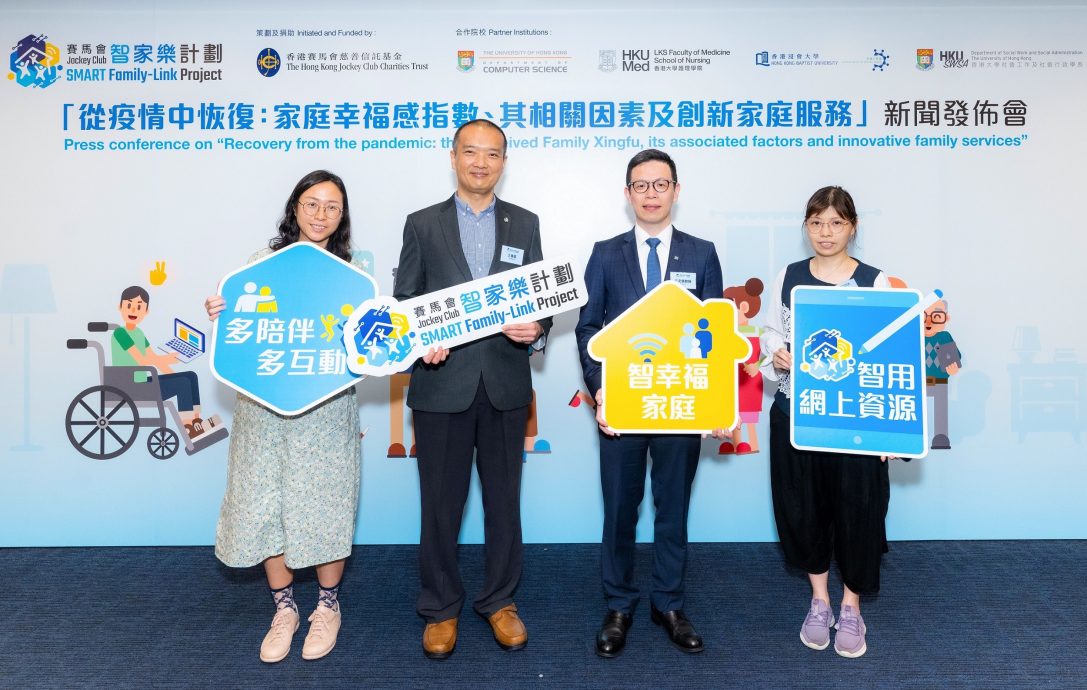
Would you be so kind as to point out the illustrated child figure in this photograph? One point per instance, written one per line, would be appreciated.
(749, 377)
(129, 347)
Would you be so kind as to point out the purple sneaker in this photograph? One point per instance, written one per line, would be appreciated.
(815, 632)
(849, 641)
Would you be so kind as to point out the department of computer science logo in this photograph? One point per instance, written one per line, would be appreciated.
(924, 59)
(466, 60)
(268, 62)
(608, 62)
(34, 62)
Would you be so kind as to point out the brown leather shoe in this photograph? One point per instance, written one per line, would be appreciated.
(509, 631)
(439, 639)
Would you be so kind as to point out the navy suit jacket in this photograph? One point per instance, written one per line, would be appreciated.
(613, 278)
(432, 259)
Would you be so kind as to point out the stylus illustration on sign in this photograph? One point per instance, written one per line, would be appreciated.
(903, 319)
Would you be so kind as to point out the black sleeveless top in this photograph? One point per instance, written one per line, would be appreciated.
(799, 273)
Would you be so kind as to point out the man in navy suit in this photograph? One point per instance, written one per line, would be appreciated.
(620, 272)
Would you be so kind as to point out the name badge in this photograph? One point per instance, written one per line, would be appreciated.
(685, 279)
(513, 255)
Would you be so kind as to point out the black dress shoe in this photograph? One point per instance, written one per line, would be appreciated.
(613, 634)
(679, 629)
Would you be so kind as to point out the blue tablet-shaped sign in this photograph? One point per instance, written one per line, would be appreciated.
(280, 338)
(858, 381)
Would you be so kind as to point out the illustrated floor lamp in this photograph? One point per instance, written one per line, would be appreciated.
(26, 289)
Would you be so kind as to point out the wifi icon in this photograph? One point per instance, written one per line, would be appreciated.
(647, 345)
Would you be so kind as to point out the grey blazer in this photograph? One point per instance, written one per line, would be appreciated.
(432, 259)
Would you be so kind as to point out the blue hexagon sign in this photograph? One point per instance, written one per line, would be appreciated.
(280, 338)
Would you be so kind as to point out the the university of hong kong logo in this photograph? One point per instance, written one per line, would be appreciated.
(924, 59)
(268, 62)
(466, 60)
(34, 62)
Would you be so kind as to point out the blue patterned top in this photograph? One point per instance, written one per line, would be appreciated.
(477, 236)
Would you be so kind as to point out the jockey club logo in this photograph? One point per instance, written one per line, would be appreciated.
(268, 62)
(34, 62)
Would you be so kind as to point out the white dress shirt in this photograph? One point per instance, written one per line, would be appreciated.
(663, 248)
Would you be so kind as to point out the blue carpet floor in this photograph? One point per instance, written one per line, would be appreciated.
(950, 614)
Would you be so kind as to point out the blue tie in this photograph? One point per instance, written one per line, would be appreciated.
(652, 265)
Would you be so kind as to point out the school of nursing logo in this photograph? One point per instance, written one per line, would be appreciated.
(34, 62)
(268, 62)
(924, 59)
(608, 62)
(466, 60)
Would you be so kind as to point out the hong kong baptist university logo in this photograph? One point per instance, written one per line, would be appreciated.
(34, 62)
(924, 58)
(466, 60)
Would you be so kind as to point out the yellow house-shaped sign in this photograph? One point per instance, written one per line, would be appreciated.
(669, 364)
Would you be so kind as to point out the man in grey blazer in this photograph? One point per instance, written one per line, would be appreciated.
(473, 398)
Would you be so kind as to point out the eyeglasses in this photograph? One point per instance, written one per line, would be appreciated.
(936, 316)
(332, 210)
(836, 226)
(642, 186)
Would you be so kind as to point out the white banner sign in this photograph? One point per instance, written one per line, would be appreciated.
(384, 336)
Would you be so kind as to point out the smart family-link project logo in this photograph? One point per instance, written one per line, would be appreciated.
(827, 356)
(34, 62)
(383, 335)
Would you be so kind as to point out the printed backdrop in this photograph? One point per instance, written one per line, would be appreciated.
(156, 145)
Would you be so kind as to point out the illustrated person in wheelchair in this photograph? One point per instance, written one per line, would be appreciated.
(130, 347)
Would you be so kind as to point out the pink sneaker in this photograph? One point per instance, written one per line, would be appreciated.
(277, 643)
(324, 626)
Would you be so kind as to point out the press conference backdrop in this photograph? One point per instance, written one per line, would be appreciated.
(173, 132)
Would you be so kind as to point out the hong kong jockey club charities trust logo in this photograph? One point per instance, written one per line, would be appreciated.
(268, 62)
(34, 62)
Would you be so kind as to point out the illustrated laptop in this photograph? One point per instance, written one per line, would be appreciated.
(187, 343)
